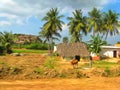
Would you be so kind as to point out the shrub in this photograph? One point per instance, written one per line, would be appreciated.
(50, 62)
(16, 70)
(39, 70)
(39, 46)
(107, 72)
(2, 49)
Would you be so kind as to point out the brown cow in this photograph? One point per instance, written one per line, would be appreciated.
(74, 63)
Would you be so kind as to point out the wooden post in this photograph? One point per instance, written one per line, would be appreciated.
(90, 61)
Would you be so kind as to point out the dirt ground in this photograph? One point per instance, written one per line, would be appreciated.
(63, 84)
(29, 61)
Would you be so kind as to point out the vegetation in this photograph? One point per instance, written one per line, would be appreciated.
(37, 46)
(29, 51)
(65, 40)
(51, 67)
(51, 26)
(94, 21)
(77, 25)
(97, 22)
(118, 42)
(51, 62)
(7, 40)
(94, 45)
(110, 23)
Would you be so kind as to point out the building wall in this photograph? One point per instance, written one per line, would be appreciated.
(109, 52)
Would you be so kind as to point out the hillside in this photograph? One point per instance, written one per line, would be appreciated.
(24, 38)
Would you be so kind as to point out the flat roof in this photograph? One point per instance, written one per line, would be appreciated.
(110, 47)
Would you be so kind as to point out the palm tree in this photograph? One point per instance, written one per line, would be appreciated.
(51, 26)
(110, 23)
(94, 21)
(77, 25)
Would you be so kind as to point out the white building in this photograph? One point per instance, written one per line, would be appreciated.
(110, 51)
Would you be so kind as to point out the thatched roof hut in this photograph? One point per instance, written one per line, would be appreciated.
(72, 49)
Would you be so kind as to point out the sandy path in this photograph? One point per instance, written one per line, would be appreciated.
(63, 84)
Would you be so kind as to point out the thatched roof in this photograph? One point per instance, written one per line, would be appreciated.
(72, 49)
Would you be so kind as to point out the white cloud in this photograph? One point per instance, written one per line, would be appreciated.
(4, 23)
(19, 10)
(9, 16)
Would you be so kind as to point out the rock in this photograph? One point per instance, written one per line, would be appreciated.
(15, 54)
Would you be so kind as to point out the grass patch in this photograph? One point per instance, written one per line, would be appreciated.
(39, 70)
(51, 62)
(104, 64)
(29, 51)
(101, 64)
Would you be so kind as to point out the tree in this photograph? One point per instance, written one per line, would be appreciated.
(94, 45)
(118, 42)
(77, 26)
(65, 40)
(51, 26)
(110, 23)
(94, 21)
(6, 39)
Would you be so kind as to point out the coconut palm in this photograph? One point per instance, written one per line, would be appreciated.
(94, 21)
(77, 25)
(110, 23)
(51, 26)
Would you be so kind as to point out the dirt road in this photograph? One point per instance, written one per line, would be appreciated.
(63, 84)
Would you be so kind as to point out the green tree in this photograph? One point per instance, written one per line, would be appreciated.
(77, 26)
(94, 45)
(118, 42)
(52, 24)
(65, 40)
(94, 21)
(6, 39)
(110, 23)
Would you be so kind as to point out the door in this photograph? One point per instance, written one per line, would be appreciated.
(114, 54)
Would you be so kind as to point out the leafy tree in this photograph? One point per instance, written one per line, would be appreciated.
(6, 39)
(118, 42)
(51, 26)
(77, 26)
(65, 40)
(94, 45)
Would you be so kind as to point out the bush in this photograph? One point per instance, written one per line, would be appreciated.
(39, 70)
(2, 49)
(37, 46)
(50, 63)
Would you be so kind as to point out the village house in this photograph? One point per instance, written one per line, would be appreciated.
(72, 50)
(110, 51)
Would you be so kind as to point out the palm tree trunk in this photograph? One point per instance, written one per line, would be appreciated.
(106, 35)
(49, 46)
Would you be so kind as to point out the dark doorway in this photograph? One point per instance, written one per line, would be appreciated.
(77, 57)
(114, 54)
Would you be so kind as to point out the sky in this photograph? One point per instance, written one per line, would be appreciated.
(24, 16)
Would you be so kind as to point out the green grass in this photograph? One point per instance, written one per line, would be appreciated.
(101, 64)
(29, 51)
(104, 64)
